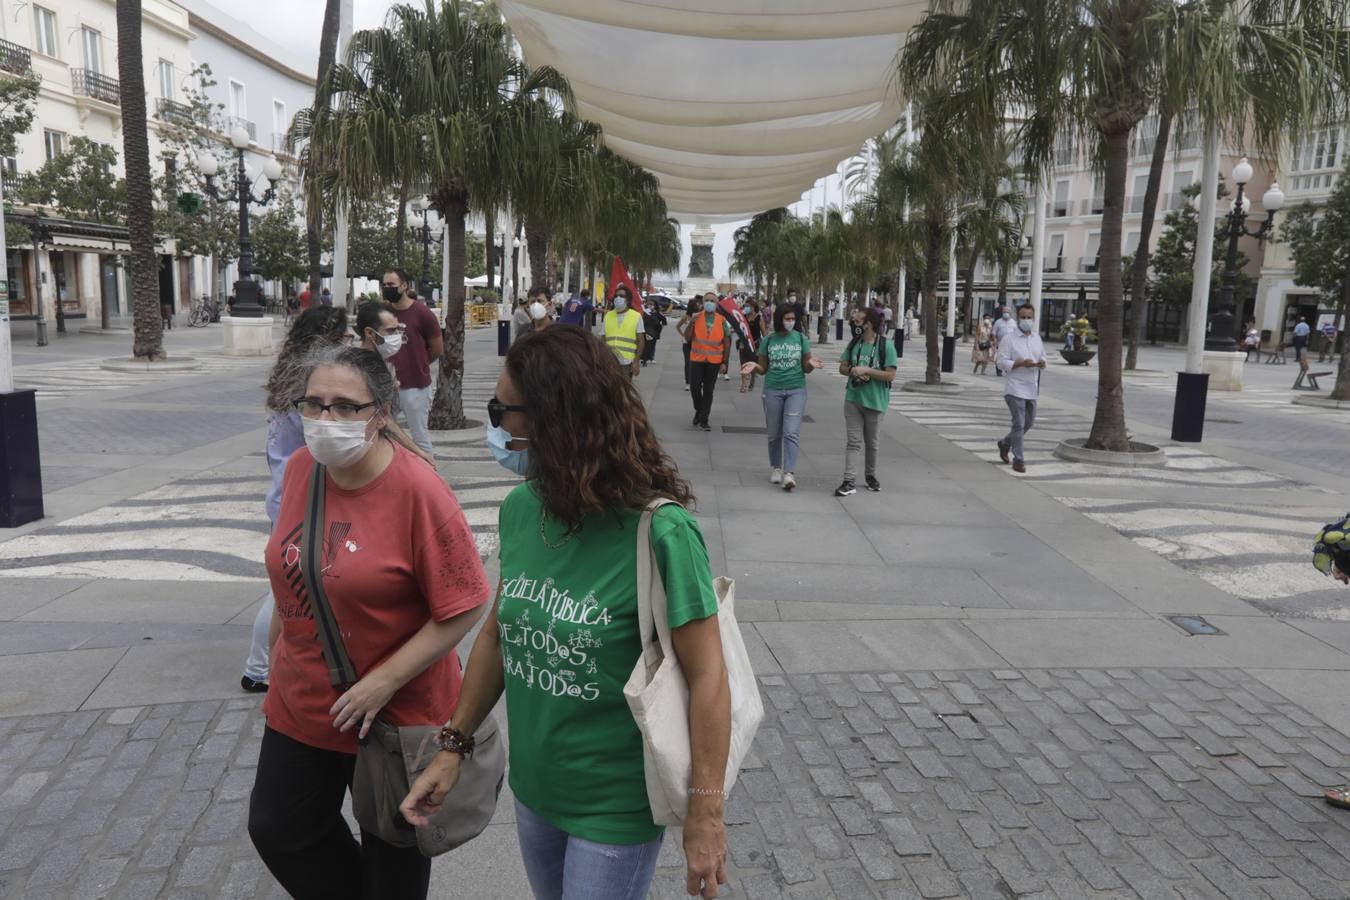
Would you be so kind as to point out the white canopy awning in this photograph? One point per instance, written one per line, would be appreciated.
(735, 105)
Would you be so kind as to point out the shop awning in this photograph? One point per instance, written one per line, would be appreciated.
(735, 105)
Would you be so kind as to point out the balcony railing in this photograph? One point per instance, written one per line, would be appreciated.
(88, 83)
(13, 183)
(167, 110)
(16, 59)
(250, 127)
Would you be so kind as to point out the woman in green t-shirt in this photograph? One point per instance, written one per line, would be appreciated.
(784, 361)
(869, 362)
(563, 637)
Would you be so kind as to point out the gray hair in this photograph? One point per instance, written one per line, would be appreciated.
(366, 363)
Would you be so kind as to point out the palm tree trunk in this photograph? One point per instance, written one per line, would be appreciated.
(490, 226)
(147, 338)
(1139, 272)
(1108, 423)
(536, 241)
(1342, 389)
(932, 263)
(328, 39)
(447, 407)
(401, 227)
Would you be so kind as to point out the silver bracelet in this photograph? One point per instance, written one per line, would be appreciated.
(707, 792)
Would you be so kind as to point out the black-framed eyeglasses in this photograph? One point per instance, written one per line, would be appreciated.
(341, 410)
(497, 407)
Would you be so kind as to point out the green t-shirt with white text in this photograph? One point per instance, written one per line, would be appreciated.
(879, 354)
(569, 638)
(785, 353)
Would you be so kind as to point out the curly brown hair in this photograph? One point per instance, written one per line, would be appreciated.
(316, 327)
(592, 448)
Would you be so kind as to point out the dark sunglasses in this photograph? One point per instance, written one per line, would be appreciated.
(497, 407)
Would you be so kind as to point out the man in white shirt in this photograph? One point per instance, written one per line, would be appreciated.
(1004, 326)
(1022, 355)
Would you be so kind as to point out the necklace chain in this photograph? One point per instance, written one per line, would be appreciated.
(543, 535)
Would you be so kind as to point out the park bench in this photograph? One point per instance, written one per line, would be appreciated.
(1311, 378)
(1276, 356)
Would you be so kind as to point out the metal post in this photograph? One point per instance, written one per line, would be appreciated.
(1220, 332)
(1188, 409)
(1037, 245)
(6, 353)
(426, 249)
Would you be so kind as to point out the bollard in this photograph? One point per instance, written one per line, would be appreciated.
(503, 336)
(900, 343)
(838, 329)
(1188, 410)
(42, 332)
(948, 353)
(20, 464)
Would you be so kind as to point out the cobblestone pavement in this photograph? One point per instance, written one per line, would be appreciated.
(980, 784)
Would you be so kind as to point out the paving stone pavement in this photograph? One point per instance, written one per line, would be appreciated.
(982, 784)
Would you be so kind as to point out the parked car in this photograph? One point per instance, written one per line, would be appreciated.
(662, 302)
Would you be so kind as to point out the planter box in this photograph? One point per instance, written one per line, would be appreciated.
(1077, 357)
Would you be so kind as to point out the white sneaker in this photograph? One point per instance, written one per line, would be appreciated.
(775, 476)
(789, 482)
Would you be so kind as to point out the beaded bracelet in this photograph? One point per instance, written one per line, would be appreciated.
(707, 792)
(453, 740)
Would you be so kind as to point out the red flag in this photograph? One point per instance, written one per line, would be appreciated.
(618, 275)
(733, 312)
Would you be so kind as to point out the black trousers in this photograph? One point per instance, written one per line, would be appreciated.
(295, 821)
(702, 382)
(685, 348)
(649, 351)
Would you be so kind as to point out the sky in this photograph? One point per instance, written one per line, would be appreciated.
(295, 24)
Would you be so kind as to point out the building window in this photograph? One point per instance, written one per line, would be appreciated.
(92, 41)
(1065, 151)
(1054, 255)
(1092, 252)
(279, 125)
(238, 101)
(55, 143)
(166, 79)
(1181, 179)
(1316, 160)
(1061, 205)
(1137, 197)
(44, 28)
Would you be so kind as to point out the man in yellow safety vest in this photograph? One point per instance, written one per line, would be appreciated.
(709, 349)
(623, 332)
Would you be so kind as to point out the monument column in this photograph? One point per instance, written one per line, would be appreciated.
(701, 278)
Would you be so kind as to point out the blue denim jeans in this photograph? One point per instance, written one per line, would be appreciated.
(561, 866)
(257, 664)
(1023, 417)
(783, 411)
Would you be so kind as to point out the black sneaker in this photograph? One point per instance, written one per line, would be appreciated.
(873, 485)
(252, 687)
(845, 490)
(705, 426)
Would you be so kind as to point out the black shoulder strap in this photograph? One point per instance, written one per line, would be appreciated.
(341, 672)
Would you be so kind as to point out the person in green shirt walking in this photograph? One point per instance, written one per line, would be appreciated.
(869, 362)
(563, 636)
(784, 361)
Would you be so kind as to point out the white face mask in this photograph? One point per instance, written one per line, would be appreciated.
(538, 311)
(620, 303)
(334, 443)
(391, 345)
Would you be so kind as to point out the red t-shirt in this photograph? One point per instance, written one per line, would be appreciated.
(304, 299)
(412, 368)
(397, 553)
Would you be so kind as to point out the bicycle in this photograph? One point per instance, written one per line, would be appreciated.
(203, 313)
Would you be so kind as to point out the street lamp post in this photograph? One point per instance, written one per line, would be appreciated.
(421, 207)
(247, 291)
(1221, 335)
(515, 264)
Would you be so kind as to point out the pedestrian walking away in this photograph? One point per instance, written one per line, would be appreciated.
(412, 363)
(869, 362)
(653, 322)
(784, 361)
(381, 332)
(1022, 356)
(566, 415)
(624, 332)
(577, 310)
(709, 352)
(1301, 332)
(313, 329)
(983, 351)
(746, 349)
(1004, 327)
(1328, 350)
(401, 572)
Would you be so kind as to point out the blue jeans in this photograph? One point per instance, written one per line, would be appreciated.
(256, 666)
(783, 412)
(416, 406)
(561, 866)
(1023, 417)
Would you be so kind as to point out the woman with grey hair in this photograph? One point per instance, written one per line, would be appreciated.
(402, 578)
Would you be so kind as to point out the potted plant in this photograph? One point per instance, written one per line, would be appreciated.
(1076, 334)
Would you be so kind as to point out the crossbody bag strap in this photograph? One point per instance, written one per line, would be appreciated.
(649, 618)
(341, 672)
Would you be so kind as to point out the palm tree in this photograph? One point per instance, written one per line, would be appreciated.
(147, 333)
(1139, 265)
(1256, 69)
(993, 215)
(328, 39)
(556, 183)
(447, 75)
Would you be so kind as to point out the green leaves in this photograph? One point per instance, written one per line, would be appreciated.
(1319, 238)
(18, 102)
(79, 184)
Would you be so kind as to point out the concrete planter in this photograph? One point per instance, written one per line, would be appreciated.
(474, 433)
(1140, 455)
(1078, 357)
(922, 387)
(1323, 402)
(173, 366)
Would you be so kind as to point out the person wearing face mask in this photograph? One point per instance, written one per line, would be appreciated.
(746, 349)
(869, 362)
(983, 351)
(403, 579)
(313, 329)
(422, 344)
(784, 361)
(1004, 327)
(653, 323)
(539, 310)
(709, 351)
(380, 332)
(625, 332)
(578, 430)
(1022, 356)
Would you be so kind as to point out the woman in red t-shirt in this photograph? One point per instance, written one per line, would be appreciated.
(403, 578)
